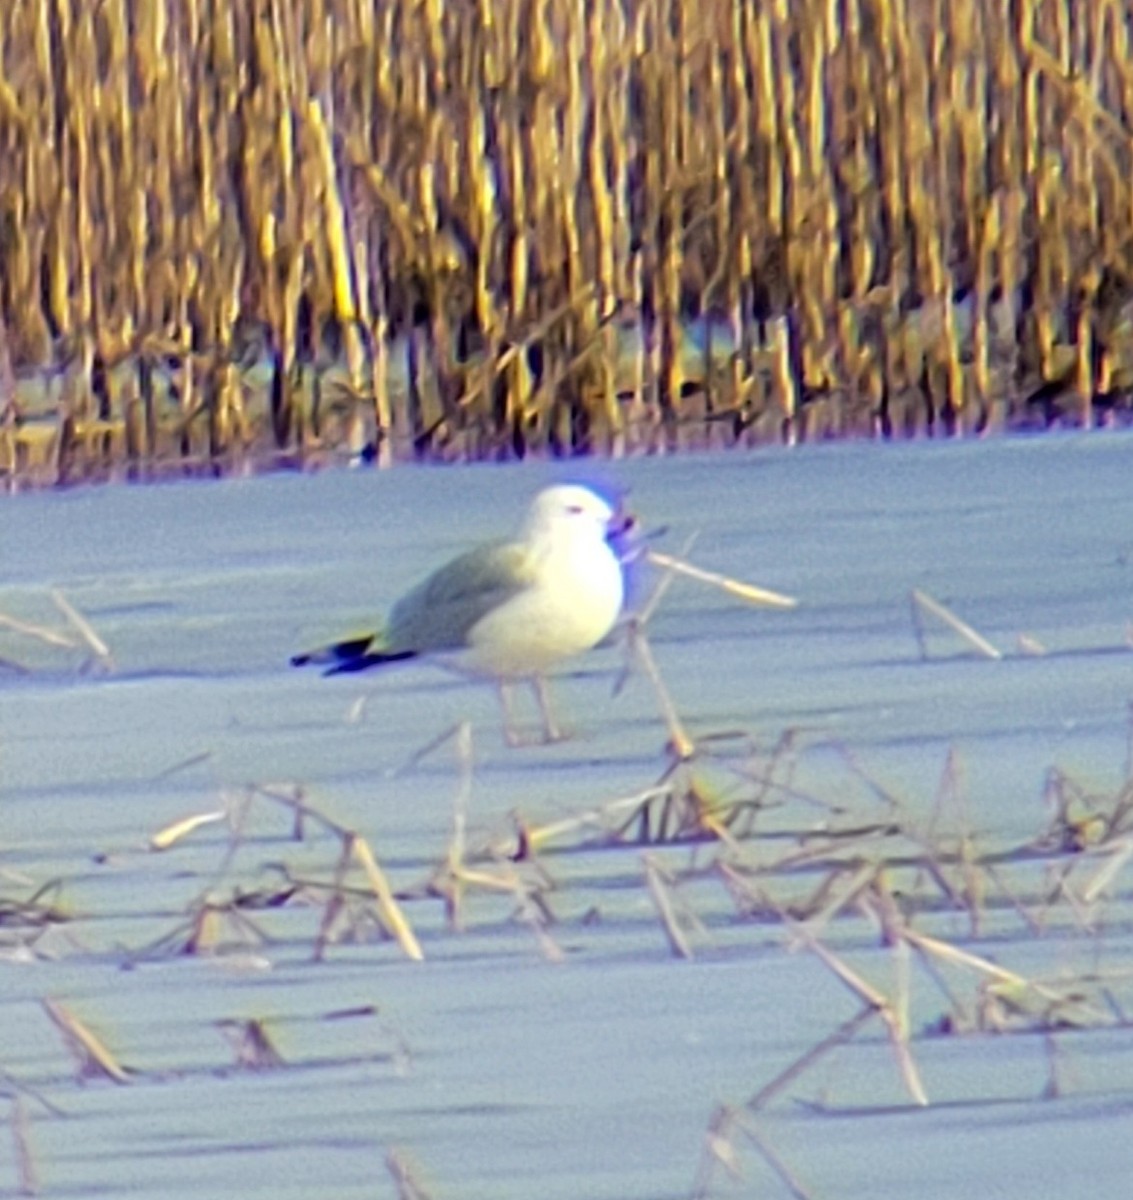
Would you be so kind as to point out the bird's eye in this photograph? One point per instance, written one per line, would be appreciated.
(576, 510)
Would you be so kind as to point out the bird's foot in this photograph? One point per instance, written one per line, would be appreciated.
(551, 733)
(518, 738)
(552, 736)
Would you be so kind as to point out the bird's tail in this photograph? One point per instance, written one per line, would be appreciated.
(354, 654)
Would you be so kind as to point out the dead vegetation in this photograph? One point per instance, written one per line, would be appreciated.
(24, 918)
(430, 230)
(734, 850)
(76, 638)
(726, 840)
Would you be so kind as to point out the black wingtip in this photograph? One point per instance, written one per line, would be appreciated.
(372, 658)
(340, 652)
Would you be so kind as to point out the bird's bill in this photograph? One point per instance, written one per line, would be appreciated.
(623, 533)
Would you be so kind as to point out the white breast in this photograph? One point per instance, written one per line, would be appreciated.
(571, 607)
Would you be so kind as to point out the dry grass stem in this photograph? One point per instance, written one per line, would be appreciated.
(252, 1045)
(194, 760)
(171, 834)
(666, 580)
(922, 601)
(456, 849)
(405, 1177)
(744, 591)
(40, 632)
(770, 1156)
(392, 916)
(335, 902)
(719, 1148)
(600, 822)
(419, 756)
(893, 1016)
(669, 908)
(838, 891)
(680, 743)
(1115, 858)
(97, 646)
(27, 1178)
(839, 1037)
(88, 1050)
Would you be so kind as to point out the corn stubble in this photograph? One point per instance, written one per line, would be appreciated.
(911, 913)
(234, 237)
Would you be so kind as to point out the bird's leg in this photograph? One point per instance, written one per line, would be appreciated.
(511, 733)
(551, 730)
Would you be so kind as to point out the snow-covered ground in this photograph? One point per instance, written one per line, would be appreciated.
(500, 1072)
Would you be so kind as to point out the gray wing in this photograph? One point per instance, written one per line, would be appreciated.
(439, 612)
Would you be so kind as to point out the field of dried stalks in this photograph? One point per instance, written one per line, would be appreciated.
(266, 234)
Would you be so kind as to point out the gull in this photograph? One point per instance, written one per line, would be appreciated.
(509, 610)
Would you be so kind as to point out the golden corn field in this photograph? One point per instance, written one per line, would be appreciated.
(289, 229)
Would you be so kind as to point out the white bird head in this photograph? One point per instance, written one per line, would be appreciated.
(569, 510)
